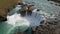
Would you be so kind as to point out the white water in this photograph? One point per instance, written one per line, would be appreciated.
(17, 20)
(23, 23)
(28, 21)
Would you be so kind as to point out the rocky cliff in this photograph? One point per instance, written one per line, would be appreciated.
(5, 5)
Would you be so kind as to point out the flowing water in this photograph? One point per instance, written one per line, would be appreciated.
(45, 5)
(15, 21)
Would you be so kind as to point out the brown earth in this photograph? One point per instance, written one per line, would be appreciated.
(7, 4)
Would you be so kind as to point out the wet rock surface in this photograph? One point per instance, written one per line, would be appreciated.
(56, 2)
(2, 19)
(47, 27)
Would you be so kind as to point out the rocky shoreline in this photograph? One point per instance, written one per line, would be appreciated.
(47, 27)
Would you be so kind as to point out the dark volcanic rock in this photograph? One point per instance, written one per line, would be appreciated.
(3, 19)
(38, 9)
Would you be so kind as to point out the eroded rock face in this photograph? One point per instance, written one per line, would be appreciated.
(5, 5)
(3, 15)
(3, 19)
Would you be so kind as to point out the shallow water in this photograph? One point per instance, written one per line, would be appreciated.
(45, 6)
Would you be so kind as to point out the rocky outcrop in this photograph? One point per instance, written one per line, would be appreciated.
(47, 27)
(5, 5)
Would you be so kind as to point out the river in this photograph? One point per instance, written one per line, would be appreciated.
(8, 27)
